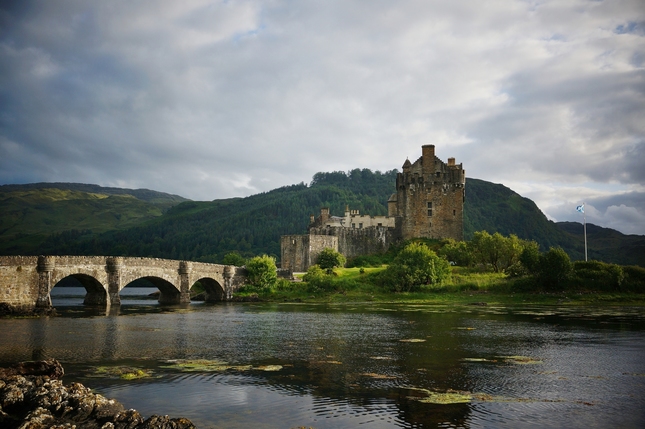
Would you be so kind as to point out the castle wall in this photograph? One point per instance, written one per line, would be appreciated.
(299, 252)
(356, 242)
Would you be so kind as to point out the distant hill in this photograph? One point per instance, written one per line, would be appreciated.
(206, 231)
(31, 213)
(605, 244)
(160, 199)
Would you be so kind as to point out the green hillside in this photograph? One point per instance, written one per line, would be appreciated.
(31, 213)
(206, 231)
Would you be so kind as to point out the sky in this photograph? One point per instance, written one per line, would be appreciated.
(217, 99)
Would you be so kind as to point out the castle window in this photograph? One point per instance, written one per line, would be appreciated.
(379, 224)
(429, 212)
(429, 208)
(353, 225)
(454, 212)
(360, 225)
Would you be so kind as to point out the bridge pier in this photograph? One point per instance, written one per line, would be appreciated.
(229, 273)
(45, 270)
(114, 266)
(185, 270)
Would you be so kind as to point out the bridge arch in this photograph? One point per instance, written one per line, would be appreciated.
(96, 292)
(213, 290)
(169, 294)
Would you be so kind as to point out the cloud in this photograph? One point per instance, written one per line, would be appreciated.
(213, 99)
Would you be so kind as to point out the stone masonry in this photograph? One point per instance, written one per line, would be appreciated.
(26, 281)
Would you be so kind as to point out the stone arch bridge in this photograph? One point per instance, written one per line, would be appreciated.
(26, 281)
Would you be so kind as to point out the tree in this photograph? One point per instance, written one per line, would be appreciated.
(457, 252)
(330, 259)
(496, 250)
(555, 268)
(530, 257)
(262, 272)
(416, 265)
(234, 258)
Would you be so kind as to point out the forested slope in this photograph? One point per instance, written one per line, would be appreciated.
(206, 231)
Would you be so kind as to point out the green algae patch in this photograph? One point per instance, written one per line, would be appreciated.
(122, 372)
(379, 376)
(521, 360)
(204, 365)
(441, 398)
(477, 360)
(461, 397)
(269, 368)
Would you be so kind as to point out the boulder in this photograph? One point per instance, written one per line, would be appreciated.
(32, 396)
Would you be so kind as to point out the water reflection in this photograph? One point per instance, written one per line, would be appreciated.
(341, 366)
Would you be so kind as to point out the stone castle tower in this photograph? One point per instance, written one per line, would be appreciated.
(429, 199)
(429, 202)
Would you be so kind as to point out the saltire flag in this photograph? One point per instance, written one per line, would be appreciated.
(581, 208)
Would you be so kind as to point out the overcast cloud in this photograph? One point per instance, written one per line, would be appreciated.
(214, 99)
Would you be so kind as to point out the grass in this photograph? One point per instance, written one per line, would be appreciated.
(465, 286)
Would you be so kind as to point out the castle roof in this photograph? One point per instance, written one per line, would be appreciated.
(393, 197)
(407, 163)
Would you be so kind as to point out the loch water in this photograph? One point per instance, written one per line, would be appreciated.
(288, 365)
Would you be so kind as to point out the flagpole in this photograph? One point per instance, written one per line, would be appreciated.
(581, 209)
(584, 217)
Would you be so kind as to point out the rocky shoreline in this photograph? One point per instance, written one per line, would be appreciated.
(32, 396)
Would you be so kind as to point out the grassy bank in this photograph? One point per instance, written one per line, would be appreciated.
(465, 286)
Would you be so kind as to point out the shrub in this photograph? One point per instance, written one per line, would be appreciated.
(457, 252)
(530, 257)
(262, 272)
(330, 259)
(596, 275)
(313, 273)
(555, 268)
(634, 278)
(416, 265)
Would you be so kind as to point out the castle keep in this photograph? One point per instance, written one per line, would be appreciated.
(429, 199)
(429, 202)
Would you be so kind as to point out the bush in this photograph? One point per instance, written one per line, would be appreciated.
(262, 272)
(457, 252)
(313, 273)
(330, 259)
(416, 265)
(530, 257)
(596, 275)
(634, 279)
(555, 268)
(319, 281)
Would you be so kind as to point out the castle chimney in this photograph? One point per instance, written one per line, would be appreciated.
(451, 162)
(428, 151)
(324, 215)
(428, 158)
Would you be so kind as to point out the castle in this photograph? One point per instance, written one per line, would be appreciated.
(429, 202)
